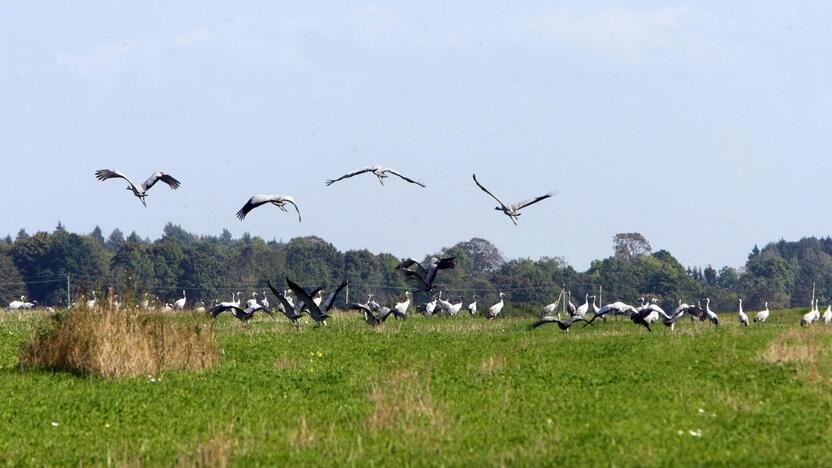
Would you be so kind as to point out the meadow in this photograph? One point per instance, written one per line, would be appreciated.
(439, 391)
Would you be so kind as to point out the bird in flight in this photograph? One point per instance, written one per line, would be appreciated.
(562, 324)
(513, 211)
(425, 276)
(139, 191)
(378, 171)
(279, 201)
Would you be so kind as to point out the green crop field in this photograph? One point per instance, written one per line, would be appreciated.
(440, 391)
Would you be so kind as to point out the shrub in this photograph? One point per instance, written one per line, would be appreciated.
(120, 344)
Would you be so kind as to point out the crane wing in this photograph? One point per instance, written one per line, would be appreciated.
(574, 319)
(697, 312)
(253, 203)
(486, 191)
(156, 177)
(292, 201)
(351, 174)
(217, 310)
(440, 264)
(106, 174)
(302, 295)
(330, 300)
(543, 321)
(532, 201)
(288, 310)
(391, 171)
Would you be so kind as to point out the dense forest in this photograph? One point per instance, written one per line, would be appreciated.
(211, 268)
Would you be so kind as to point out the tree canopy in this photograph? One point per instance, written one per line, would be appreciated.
(212, 267)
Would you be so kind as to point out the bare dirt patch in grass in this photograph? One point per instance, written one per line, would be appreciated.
(216, 451)
(807, 348)
(791, 347)
(493, 364)
(303, 437)
(402, 402)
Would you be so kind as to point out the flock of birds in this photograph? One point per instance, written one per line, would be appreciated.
(280, 201)
(296, 300)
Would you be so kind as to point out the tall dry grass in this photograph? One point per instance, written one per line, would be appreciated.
(116, 344)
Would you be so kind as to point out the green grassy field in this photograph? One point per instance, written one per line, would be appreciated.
(441, 391)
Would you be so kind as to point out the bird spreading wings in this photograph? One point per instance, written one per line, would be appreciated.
(140, 190)
(279, 201)
(562, 324)
(513, 211)
(378, 171)
(426, 276)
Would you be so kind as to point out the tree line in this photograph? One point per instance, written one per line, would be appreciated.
(210, 268)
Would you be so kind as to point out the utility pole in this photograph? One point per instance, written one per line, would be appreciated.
(348, 293)
(68, 301)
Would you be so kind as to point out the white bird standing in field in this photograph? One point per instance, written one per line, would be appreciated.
(549, 310)
(279, 201)
(595, 307)
(513, 211)
(743, 318)
(401, 307)
(14, 305)
(253, 303)
(451, 308)
(762, 315)
(455, 307)
(472, 307)
(583, 308)
(380, 172)
(139, 191)
(180, 303)
(91, 303)
(495, 310)
(816, 317)
(812, 316)
(430, 307)
(201, 308)
(570, 307)
(827, 316)
(265, 301)
(711, 315)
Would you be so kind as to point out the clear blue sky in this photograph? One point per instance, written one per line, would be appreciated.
(707, 126)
